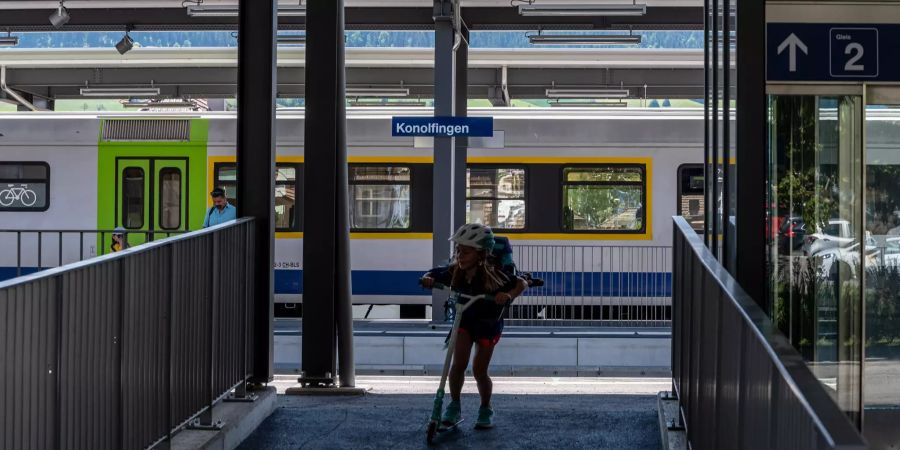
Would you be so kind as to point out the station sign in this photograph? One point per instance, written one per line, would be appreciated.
(832, 52)
(443, 126)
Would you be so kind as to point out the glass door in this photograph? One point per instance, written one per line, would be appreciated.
(881, 383)
(815, 208)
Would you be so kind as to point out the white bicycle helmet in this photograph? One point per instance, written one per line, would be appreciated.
(474, 235)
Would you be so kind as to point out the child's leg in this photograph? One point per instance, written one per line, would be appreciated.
(460, 362)
(480, 365)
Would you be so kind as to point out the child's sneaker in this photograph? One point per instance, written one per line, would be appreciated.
(452, 414)
(485, 418)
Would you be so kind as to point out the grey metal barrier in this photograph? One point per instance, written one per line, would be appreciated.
(595, 285)
(739, 382)
(27, 251)
(123, 350)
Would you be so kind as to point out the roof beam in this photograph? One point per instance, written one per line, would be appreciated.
(357, 18)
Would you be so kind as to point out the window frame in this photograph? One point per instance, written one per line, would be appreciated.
(525, 190)
(410, 183)
(680, 192)
(564, 183)
(27, 180)
(298, 177)
(159, 196)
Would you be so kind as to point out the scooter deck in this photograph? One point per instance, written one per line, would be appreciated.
(448, 426)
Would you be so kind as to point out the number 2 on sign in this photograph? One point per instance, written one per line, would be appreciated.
(856, 49)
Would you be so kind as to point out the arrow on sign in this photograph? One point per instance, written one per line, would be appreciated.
(792, 43)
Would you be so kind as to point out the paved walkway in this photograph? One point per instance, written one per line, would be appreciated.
(531, 413)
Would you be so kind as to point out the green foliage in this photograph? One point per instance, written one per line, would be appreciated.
(419, 39)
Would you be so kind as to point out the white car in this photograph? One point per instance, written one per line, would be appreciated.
(878, 254)
(838, 233)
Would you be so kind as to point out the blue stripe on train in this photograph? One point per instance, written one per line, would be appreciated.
(399, 282)
(607, 284)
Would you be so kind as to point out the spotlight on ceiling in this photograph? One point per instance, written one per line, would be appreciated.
(60, 17)
(125, 45)
(9, 40)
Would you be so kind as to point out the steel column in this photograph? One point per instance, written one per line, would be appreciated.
(256, 162)
(443, 205)
(462, 143)
(326, 274)
(750, 215)
(343, 301)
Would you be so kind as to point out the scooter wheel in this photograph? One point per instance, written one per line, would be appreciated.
(432, 430)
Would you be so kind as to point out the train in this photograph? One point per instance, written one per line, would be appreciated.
(551, 180)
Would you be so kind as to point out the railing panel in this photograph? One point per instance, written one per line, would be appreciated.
(740, 384)
(120, 351)
(596, 285)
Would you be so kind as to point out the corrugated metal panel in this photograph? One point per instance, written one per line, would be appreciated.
(170, 130)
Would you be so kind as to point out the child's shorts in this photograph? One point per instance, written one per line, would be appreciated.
(485, 332)
(482, 339)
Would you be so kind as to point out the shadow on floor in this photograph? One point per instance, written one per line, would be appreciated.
(391, 421)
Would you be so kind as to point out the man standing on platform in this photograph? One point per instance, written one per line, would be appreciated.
(221, 211)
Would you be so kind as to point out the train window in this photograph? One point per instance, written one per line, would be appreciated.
(286, 189)
(133, 197)
(604, 198)
(379, 197)
(170, 198)
(495, 197)
(24, 186)
(285, 197)
(690, 194)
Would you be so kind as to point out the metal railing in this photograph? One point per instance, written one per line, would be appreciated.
(595, 285)
(739, 382)
(121, 351)
(27, 251)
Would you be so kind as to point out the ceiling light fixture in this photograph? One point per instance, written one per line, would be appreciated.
(586, 93)
(9, 40)
(376, 92)
(582, 10)
(122, 92)
(233, 11)
(584, 39)
(292, 39)
(588, 103)
(60, 17)
(125, 44)
(377, 103)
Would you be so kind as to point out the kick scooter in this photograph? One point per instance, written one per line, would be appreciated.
(434, 425)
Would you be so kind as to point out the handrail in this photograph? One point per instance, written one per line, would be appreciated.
(124, 350)
(177, 235)
(737, 378)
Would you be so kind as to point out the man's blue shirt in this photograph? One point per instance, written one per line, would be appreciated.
(215, 217)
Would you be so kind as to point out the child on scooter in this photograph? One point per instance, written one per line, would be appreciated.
(472, 272)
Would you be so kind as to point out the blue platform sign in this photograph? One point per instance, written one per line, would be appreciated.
(832, 52)
(443, 126)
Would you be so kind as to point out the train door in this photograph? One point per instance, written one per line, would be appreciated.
(151, 197)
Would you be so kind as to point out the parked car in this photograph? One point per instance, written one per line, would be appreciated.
(838, 233)
(835, 259)
(791, 234)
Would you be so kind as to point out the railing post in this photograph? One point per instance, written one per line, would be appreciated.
(18, 253)
(241, 393)
(205, 420)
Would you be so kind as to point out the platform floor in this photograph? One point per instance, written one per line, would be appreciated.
(531, 413)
